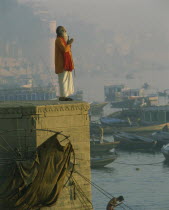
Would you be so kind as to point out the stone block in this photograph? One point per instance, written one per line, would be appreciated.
(31, 123)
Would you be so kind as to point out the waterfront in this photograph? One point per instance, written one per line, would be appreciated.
(144, 187)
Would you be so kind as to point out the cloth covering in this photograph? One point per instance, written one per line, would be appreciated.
(68, 61)
(37, 183)
(63, 56)
(28, 169)
(66, 84)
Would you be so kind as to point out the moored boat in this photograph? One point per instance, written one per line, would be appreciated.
(102, 161)
(134, 142)
(97, 108)
(99, 145)
(161, 137)
(111, 129)
(113, 121)
(105, 146)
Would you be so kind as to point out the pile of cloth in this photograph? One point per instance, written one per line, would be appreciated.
(35, 183)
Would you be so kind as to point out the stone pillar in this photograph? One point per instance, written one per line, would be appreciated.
(28, 119)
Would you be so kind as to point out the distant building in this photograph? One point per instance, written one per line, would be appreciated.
(132, 93)
(152, 99)
(120, 92)
(112, 92)
(156, 114)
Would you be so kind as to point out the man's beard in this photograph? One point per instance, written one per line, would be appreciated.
(65, 36)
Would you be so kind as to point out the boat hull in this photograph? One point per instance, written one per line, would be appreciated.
(133, 145)
(166, 157)
(103, 147)
(102, 161)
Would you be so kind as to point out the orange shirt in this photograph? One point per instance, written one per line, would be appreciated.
(60, 49)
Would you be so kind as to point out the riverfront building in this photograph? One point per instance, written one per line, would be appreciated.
(159, 114)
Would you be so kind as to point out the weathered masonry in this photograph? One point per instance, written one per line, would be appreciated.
(156, 114)
(26, 125)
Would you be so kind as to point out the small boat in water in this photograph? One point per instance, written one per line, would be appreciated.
(96, 108)
(161, 137)
(165, 151)
(113, 121)
(130, 141)
(104, 146)
(100, 145)
(101, 161)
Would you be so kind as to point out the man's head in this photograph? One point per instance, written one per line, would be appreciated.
(60, 31)
(120, 198)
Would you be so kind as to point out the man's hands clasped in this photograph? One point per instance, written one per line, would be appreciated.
(70, 41)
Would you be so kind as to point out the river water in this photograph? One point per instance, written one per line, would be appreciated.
(144, 187)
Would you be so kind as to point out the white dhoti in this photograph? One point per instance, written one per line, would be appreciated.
(66, 83)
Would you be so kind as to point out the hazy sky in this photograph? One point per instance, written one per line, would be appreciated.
(116, 14)
(20, 26)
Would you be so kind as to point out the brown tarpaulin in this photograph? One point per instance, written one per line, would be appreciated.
(37, 183)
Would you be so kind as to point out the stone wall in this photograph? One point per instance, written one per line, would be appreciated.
(28, 126)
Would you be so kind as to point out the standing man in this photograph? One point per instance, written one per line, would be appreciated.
(64, 64)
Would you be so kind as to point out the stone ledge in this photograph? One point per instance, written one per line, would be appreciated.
(40, 107)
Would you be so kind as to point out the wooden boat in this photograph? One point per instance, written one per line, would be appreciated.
(161, 137)
(144, 129)
(136, 101)
(134, 142)
(99, 144)
(102, 161)
(105, 146)
(107, 121)
(165, 151)
(96, 108)
(135, 129)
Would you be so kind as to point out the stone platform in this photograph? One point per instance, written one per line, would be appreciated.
(24, 125)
